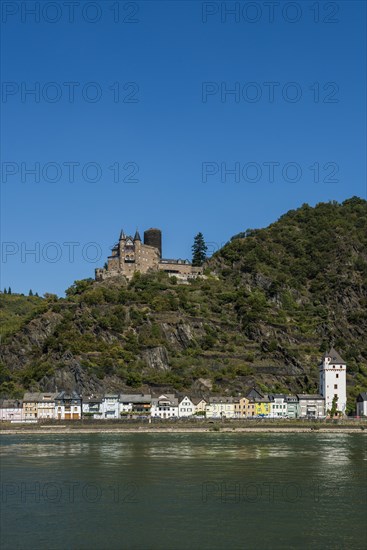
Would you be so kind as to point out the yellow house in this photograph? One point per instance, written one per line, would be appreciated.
(238, 407)
(39, 405)
(262, 407)
(200, 405)
(30, 406)
(247, 407)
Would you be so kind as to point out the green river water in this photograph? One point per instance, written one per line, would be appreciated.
(183, 491)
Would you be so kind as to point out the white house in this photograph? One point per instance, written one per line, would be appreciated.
(278, 405)
(361, 404)
(92, 407)
(165, 406)
(186, 407)
(68, 406)
(135, 404)
(220, 407)
(333, 380)
(311, 406)
(110, 406)
(11, 410)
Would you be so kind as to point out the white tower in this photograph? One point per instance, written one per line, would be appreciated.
(333, 374)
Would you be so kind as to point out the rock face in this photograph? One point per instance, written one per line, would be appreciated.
(17, 352)
(156, 358)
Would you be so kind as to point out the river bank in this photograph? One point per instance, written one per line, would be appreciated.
(168, 428)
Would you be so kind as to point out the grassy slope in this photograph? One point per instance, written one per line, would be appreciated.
(15, 310)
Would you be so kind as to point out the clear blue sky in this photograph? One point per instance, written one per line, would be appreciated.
(172, 129)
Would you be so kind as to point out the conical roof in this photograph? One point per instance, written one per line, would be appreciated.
(137, 236)
(122, 235)
(335, 357)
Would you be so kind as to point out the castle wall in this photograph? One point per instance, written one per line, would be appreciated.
(180, 269)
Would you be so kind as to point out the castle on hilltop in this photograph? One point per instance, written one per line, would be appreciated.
(131, 255)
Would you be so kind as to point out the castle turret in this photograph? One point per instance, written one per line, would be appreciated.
(137, 236)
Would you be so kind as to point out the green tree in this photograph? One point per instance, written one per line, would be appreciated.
(30, 293)
(5, 291)
(334, 406)
(199, 250)
(9, 290)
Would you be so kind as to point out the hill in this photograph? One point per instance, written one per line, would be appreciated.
(274, 299)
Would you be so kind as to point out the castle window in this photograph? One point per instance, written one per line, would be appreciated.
(337, 375)
(335, 386)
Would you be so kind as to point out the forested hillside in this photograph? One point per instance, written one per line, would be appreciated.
(274, 299)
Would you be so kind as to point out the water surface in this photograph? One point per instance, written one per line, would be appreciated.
(181, 491)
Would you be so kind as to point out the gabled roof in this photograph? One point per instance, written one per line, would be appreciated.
(335, 357)
(254, 393)
(181, 398)
(362, 396)
(197, 400)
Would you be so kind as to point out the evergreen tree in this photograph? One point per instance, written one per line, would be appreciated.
(199, 250)
(30, 293)
(36, 294)
(5, 291)
(9, 290)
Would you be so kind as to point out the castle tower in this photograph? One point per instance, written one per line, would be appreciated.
(153, 237)
(333, 374)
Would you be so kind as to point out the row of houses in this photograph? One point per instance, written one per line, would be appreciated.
(72, 406)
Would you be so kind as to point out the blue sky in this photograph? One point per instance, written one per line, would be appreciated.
(173, 125)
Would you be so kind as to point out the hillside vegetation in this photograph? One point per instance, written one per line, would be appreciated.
(274, 299)
(15, 310)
